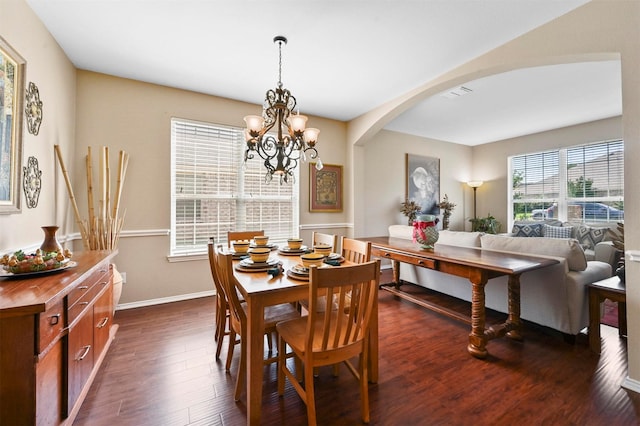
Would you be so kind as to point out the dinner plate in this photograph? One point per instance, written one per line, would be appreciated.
(292, 252)
(7, 274)
(269, 246)
(299, 277)
(248, 263)
(259, 267)
(335, 257)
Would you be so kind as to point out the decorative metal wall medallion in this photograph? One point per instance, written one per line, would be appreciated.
(32, 182)
(33, 109)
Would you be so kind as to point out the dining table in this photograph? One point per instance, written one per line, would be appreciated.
(261, 289)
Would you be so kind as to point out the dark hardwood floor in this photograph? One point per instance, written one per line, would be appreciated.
(161, 370)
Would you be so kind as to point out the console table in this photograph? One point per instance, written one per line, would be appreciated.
(55, 330)
(473, 263)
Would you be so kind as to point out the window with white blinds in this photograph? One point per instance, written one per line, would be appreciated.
(213, 193)
(578, 184)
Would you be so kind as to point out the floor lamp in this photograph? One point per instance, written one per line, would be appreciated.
(474, 184)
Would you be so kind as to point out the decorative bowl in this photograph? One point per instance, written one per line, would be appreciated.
(240, 246)
(311, 259)
(261, 240)
(324, 249)
(294, 243)
(259, 255)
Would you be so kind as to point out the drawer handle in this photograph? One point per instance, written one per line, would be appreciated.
(83, 287)
(104, 322)
(104, 282)
(387, 255)
(54, 319)
(83, 303)
(85, 353)
(421, 262)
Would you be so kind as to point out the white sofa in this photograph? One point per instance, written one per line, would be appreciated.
(554, 296)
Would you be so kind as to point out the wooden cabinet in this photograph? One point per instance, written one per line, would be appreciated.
(55, 330)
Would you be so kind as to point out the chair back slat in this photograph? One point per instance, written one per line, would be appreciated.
(351, 292)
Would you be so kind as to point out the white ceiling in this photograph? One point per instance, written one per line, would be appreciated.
(343, 58)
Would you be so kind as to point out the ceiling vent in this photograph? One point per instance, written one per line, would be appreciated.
(456, 92)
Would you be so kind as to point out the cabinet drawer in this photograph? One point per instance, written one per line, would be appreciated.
(80, 358)
(100, 275)
(102, 320)
(50, 325)
(87, 299)
(424, 262)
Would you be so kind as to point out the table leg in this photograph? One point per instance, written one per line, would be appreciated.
(622, 318)
(396, 272)
(513, 321)
(477, 340)
(255, 355)
(594, 321)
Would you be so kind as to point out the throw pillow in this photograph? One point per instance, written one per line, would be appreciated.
(556, 231)
(459, 238)
(527, 230)
(588, 236)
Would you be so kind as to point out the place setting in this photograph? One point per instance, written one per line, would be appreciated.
(294, 247)
(258, 261)
(262, 241)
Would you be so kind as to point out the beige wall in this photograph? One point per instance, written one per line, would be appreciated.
(385, 177)
(133, 116)
(54, 75)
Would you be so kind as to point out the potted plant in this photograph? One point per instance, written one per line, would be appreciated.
(447, 208)
(488, 224)
(410, 209)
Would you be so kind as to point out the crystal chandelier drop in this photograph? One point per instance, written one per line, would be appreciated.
(291, 141)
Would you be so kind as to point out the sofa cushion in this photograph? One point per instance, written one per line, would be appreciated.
(527, 230)
(556, 231)
(567, 248)
(461, 239)
(589, 236)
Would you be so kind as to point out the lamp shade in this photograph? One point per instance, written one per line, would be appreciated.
(297, 122)
(311, 135)
(475, 183)
(254, 122)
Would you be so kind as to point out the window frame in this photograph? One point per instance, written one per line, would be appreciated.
(563, 199)
(249, 198)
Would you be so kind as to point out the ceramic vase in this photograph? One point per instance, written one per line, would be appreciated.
(425, 231)
(50, 242)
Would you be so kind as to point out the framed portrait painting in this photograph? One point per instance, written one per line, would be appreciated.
(423, 182)
(12, 77)
(326, 188)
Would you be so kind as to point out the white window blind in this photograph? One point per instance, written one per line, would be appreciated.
(212, 193)
(579, 184)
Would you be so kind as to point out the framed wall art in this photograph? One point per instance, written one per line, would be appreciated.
(326, 188)
(423, 182)
(12, 77)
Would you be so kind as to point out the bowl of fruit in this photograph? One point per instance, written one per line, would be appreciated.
(20, 262)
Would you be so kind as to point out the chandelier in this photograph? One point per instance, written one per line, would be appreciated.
(290, 141)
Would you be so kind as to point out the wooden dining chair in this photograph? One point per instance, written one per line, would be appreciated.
(320, 238)
(241, 235)
(222, 305)
(328, 336)
(355, 251)
(238, 317)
